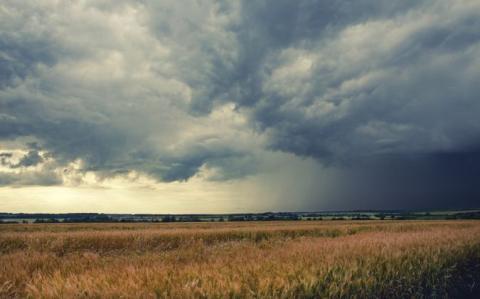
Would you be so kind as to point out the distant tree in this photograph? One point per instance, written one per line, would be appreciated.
(168, 218)
(236, 218)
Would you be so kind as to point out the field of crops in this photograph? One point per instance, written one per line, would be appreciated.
(387, 259)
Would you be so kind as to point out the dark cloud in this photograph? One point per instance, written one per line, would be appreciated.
(20, 58)
(382, 76)
(32, 158)
(46, 178)
(5, 158)
(258, 31)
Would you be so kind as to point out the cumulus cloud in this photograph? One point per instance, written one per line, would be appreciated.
(382, 86)
(106, 91)
(30, 179)
(176, 89)
(32, 158)
(336, 79)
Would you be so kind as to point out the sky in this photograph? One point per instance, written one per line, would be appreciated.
(197, 106)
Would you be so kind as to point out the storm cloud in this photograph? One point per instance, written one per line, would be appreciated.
(385, 94)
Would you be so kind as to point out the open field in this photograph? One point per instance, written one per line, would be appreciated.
(241, 259)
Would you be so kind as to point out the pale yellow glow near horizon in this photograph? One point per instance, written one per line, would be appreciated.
(195, 196)
(167, 198)
(278, 188)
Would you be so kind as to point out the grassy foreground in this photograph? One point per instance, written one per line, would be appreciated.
(340, 259)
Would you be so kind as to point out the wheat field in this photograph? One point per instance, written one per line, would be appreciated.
(335, 259)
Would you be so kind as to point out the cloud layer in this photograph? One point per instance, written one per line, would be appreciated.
(382, 92)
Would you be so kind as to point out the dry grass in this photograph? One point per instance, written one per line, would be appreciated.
(218, 260)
